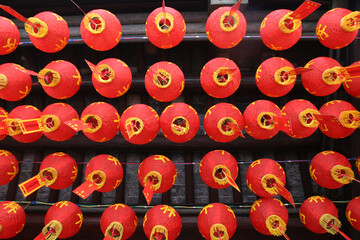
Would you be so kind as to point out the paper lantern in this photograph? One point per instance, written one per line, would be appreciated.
(319, 215)
(212, 168)
(217, 221)
(14, 83)
(301, 112)
(118, 222)
(179, 122)
(60, 79)
(16, 119)
(9, 36)
(324, 79)
(9, 167)
(269, 216)
(12, 219)
(223, 122)
(52, 32)
(165, 28)
(54, 117)
(220, 77)
(63, 220)
(352, 86)
(259, 119)
(338, 27)
(346, 116)
(331, 170)
(273, 78)
(223, 30)
(162, 222)
(139, 124)
(3, 130)
(111, 78)
(104, 120)
(353, 213)
(100, 30)
(164, 81)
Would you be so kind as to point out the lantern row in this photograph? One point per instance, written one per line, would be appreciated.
(165, 28)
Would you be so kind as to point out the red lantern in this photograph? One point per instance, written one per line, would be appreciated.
(301, 114)
(54, 117)
(164, 81)
(179, 122)
(352, 86)
(212, 168)
(358, 165)
(223, 122)
(319, 215)
(139, 124)
(9, 36)
(20, 116)
(331, 170)
(118, 222)
(269, 216)
(52, 32)
(165, 27)
(223, 30)
(324, 79)
(112, 79)
(104, 120)
(3, 129)
(346, 116)
(100, 30)
(9, 167)
(62, 220)
(259, 119)
(217, 221)
(162, 222)
(60, 79)
(353, 213)
(14, 83)
(12, 219)
(338, 27)
(273, 78)
(220, 77)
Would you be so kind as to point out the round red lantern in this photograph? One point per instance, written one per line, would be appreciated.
(100, 30)
(60, 79)
(23, 112)
(353, 213)
(259, 119)
(223, 122)
(164, 81)
(345, 113)
(338, 27)
(139, 124)
(263, 176)
(225, 31)
(352, 86)
(220, 77)
(112, 78)
(63, 220)
(273, 78)
(162, 222)
(217, 221)
(269, 216)
(319, 215)
(212, 168)
(14, 83)
(179, 122)
(324, 79)
(54, 117)
(301, 112)
(9, 167)
(118, 222)
(52, 32)
(165, 29)
(12, 219)
(104, 120)
(9, 36)
(3, 117)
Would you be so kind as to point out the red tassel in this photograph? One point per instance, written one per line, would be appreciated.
(236, 129)
(353, 71)
(148, 191)
(93, 67)
(31, 185)
(14, 13)
(85, 189)
(28, 72)
(299, 70)
(41, 236)
(108, 238)
(342, 233)
(283, 233)
(325, 118)
(231, 181)
(233, 10)
(305, 9)
(285, 193)
(77, 125)
(282, 124)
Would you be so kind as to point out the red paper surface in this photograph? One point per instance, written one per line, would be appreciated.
(3, 128)
(85, 189)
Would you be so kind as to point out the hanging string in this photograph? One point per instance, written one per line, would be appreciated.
(283, 233)
(342, 233)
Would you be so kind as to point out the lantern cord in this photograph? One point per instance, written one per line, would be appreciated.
(342, 233)
(27, 205)
(283, 233)
(232, 11)
(349, 177)
(12, 12)
(163, 9)
(83, 12)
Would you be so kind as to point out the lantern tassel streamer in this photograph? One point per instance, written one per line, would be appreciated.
(236, 129)
(349, 177)
(305, 9)
(233, 10)
(149, 191)
(299, 70)
(285, 193)
(342, 233)
(13, 13)
(29, 72)
(231, 181)
(283, 233)
(83, 13)
(92, 67)
(163, 9)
